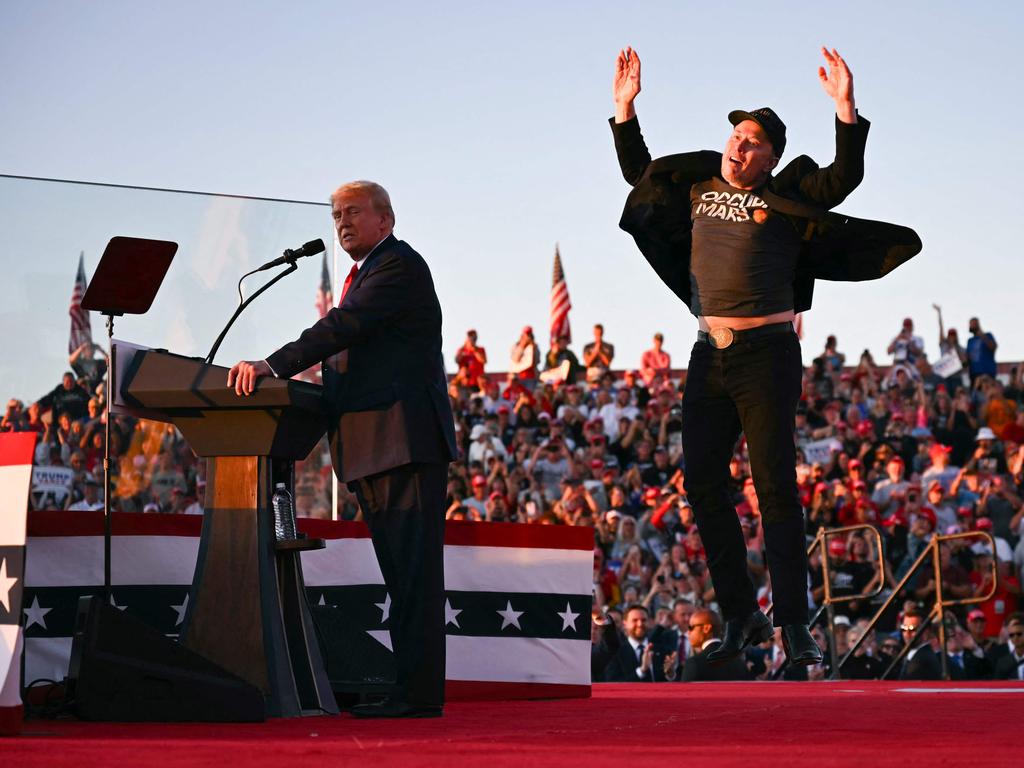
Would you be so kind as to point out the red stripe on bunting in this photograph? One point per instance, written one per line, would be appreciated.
(462, 533)
(457, 532)
(16, 448)
(61, 523)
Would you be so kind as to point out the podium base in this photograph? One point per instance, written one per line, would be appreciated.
(122, 670)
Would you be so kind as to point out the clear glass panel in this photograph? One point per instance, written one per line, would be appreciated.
(46, 225)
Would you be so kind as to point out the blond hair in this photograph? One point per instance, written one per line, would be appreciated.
(379, 197)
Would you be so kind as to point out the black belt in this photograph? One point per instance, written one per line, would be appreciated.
(720, 338)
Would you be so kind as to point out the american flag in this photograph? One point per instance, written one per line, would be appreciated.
(324, 295)
(81, 324)
(560, 304)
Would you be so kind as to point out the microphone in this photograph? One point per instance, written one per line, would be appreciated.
(311, 248)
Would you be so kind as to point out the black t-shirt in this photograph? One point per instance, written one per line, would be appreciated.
(743, 257)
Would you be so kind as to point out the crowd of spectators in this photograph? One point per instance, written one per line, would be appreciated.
(905, 449)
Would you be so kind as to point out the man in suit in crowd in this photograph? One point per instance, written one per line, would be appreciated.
(705, 634)
(390, 428)
(1011, 665)
(921, 661)
(640, 659)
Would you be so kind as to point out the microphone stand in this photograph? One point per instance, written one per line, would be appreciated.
(243, 304)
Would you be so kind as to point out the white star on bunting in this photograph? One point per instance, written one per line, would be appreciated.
(6, 585)
(385, 608)
(34, 613)
(509, 617)
(181, 610)
(451, 615)
(568, 618)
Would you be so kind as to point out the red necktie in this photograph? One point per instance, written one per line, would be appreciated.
(348, 282)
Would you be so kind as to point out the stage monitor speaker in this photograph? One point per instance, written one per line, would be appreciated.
(124, 670)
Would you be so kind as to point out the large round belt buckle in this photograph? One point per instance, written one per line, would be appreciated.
(721, 337)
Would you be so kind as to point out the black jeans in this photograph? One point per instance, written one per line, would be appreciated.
(754, 387)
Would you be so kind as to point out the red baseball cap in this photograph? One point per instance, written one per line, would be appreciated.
(983, 524)
(976, 615)
(479, 480)
(650, 494)
(928, 514)
(837, 546)
(596, 464)
(855, 463)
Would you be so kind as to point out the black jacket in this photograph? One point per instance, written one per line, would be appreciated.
(924, 666)
(1006, 668)
(835, 247)
(384, 379)
(698, 669)
(623, 665)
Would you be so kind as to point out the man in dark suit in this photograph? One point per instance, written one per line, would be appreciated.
(640, 659)
(921, 661)
(705, 633)
(1011, 665)
(390, 428)
(741, 247)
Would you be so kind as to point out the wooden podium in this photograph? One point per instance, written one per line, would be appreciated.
(247, 609)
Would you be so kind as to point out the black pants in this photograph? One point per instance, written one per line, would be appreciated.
(751, 386)
(404, 508)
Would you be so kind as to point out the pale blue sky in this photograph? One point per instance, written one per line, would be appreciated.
(487, 124)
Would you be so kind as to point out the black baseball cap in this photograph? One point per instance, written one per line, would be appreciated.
(769, 121)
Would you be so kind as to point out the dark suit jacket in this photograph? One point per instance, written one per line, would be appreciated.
(924, 666)
(603, 651)
(698, 669)
(622, 667)
(384, 379)
(973, 667)
(1006, 668)
(835, 247)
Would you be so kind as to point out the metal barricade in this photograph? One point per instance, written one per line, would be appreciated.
(938, 608)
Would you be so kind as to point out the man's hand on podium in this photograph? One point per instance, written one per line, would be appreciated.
(243, 375)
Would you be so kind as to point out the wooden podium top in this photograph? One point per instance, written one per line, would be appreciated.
(282, 418)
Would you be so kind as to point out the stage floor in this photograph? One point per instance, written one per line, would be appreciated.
(723, 724)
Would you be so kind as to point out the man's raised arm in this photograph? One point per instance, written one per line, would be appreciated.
(629, 144)
(829, 186)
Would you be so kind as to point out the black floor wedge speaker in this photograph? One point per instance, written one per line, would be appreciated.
(123, 670)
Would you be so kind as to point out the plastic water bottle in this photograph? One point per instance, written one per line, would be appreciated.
(284, 514)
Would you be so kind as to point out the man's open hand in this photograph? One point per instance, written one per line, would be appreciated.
(838, 84)
(626, 84)
(243, 375)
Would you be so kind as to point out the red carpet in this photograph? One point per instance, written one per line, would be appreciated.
(722, 724)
